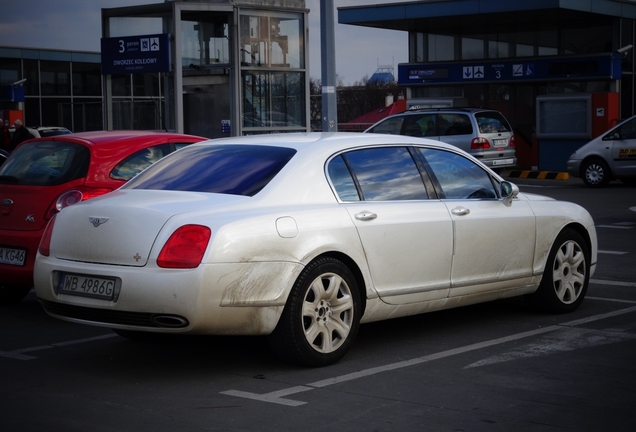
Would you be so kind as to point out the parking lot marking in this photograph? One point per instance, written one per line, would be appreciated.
(18, 354)
(615, 283)
(276, 397)
(616, 226)
(612, 252)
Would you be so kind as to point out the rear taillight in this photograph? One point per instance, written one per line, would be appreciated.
(479, 143)
(512, 141)
(74, 196)
(185, 247)
(45, 241)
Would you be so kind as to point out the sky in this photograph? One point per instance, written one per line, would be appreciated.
(76, 25)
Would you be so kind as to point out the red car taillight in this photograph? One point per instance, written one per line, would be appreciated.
(185, 247)
(74, 196)
(45, 241)
(512, 141)
(479, 143)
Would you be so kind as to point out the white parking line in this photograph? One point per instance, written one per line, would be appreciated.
(616, 226)
(277, 396)
(612, 252)
(615, 283)
(19, 354)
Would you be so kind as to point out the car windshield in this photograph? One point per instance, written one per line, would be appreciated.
(228, 169)
(492, 122)
(45, 163)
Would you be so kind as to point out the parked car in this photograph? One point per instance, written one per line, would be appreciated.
(44, 131)
(610, 156)
(484, 133)
(3, 156)
(44, 175)
(302, 237)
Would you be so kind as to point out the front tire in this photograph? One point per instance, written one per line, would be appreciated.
(595, 173)
(322, 316)
(566, 275)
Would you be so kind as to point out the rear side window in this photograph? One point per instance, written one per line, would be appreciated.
(492, 122)
(227, 169)
(46, 163)
(455, 124)
(137, 162)
(385, 174)
(391, 126)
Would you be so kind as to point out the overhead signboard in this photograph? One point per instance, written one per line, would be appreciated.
(136, 54)
(604, 66)
(12, 93)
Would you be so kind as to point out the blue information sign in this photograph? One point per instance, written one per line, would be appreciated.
(136, 54)
(603, 66)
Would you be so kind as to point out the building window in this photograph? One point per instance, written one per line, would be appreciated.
(55, 78)
(87, 79)
(274, 100)
(441, 48)
(205, 42)
(272, 41)
(472, 48)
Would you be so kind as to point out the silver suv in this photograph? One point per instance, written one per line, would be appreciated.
(484, 133)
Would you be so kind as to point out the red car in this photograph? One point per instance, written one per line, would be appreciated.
(44, 175)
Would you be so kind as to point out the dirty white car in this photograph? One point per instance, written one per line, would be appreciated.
(302, 237)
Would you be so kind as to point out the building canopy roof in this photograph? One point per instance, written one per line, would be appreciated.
(450, 16)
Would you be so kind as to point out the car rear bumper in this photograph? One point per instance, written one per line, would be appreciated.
(26, 240)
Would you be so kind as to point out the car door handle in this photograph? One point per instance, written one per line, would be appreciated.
(365, 216)
(460, 211)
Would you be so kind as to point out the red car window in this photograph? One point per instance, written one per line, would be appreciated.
(46, 163)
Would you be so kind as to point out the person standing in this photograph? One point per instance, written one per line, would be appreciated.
(5, 138)
(21, 134)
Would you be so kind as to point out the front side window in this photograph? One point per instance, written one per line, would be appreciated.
(386, 174)
(227, 169)
(45, 163)
(625, 131)
(459, 177)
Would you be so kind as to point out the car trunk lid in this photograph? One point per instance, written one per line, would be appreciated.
(121, 228)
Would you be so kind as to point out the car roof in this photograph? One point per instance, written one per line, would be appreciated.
(453, 109)
(99, 138)
(328, 142)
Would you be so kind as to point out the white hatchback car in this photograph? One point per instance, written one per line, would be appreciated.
(302, 237)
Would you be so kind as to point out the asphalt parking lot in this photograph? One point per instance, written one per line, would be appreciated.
(495, 366)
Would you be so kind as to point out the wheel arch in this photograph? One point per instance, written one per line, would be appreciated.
(355, 269)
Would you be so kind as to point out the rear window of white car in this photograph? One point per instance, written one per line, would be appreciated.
(228, 169)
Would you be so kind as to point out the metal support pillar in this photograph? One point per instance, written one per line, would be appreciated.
(328, 67)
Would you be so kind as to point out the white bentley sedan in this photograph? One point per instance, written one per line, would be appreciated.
(303, 237)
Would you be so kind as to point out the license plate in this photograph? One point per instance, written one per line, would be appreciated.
(12, 256)
(502, 162)
(87, 286)
(500, 142)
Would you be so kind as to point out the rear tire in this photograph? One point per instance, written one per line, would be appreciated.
(321, 317)
(595, 173)
(566, 275)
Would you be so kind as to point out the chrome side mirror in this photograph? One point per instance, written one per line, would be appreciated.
(509, 192)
